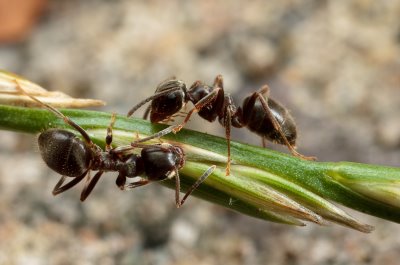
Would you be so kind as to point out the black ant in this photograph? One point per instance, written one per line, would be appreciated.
(265, 117)
(71, 157)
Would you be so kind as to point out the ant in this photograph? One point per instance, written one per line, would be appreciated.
(265, 117)
(71, 157)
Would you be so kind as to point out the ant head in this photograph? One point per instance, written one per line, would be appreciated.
(172, 97)
(161, 159)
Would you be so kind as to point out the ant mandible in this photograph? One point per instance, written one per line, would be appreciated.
(71, 157)
(265, 117)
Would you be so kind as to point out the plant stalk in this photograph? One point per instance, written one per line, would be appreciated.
(263, 183)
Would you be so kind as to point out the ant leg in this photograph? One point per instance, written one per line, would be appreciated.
(197, 107)
(137, 136)
(59, 188)
(135, 184)
(162, 93)
(265, 91)
(90, 185)
(59, 183)
(120, 181)
(57, 113)
(228, 120)
(157, 135)
(200, 180)
(229, 111)
(162, 146)
(264, 142)
(121, 149)
(109, 133)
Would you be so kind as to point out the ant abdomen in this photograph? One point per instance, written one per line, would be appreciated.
(259, 121)
(63, 152)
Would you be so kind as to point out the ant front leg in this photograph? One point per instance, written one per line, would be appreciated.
(132, 185)
(176, 128)
(156, 135)
(211, 98)
(264, 91)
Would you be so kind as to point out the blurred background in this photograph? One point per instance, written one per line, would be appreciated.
(334, 64)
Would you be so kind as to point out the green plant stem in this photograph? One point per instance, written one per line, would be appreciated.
(265, 184)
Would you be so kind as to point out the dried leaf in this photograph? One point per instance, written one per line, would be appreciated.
(10, 96)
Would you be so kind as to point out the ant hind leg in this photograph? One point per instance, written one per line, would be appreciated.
(60, 188)
(90, 184)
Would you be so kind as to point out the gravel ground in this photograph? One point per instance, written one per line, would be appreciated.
(335, 64)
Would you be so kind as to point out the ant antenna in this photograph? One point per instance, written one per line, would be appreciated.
(200, 180)
(171, 87)
(57, 113)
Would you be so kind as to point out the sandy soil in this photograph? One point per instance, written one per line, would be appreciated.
(335, 64)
